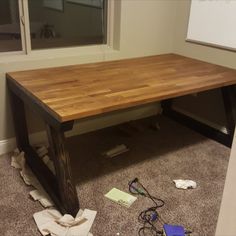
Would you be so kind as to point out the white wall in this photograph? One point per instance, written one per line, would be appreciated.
(147, 27)
(205, 53)
(227, 216)
(207, 106)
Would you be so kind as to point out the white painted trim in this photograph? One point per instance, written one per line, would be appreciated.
(9, 145)
(26, 27)
(101, 50)
(110, 22)
(22, 25)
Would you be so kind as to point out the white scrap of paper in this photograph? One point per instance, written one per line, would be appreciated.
(42, 197)
(51, 222)
(117, 150)
(185, 184)
(18, 162)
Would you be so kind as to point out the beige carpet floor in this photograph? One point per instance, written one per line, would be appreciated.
(155, 157)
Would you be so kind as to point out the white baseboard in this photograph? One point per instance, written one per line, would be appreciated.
(9, 145)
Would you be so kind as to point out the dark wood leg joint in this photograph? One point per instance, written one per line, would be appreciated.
(60, 187)
(227, 95)
(19, 120)
(204, 129)
(67, 190)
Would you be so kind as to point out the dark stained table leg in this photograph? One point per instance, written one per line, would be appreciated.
(227, 95)
(19, 119)
(61, 159)
(60, 187)
(219, 136)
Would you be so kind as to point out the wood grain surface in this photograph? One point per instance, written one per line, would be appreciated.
(77, 91)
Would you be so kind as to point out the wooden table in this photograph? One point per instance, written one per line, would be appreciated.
(64, 94)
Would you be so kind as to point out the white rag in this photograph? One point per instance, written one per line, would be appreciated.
(51, 222)
(18, 161)
(185, 184)
(42, 197)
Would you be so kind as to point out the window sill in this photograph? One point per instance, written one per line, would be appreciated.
(83, 54)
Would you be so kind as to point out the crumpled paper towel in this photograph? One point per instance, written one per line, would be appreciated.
(51, 222)
(42, 197)
(18, 162)
(185, 184)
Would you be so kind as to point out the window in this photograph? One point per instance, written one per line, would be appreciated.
(50, 24)
(67, 23)
(10, 33)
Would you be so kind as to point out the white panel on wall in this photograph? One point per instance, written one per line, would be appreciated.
(213, 22)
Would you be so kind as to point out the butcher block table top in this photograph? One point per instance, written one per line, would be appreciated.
(78, 91)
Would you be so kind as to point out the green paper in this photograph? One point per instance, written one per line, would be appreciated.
(120, 197)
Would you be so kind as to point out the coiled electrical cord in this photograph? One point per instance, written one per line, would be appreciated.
(149, 216)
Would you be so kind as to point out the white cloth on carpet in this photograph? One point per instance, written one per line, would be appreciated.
(28, 177)
(42, 197)
(185, 184)
(51, 222)
(18, 161)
